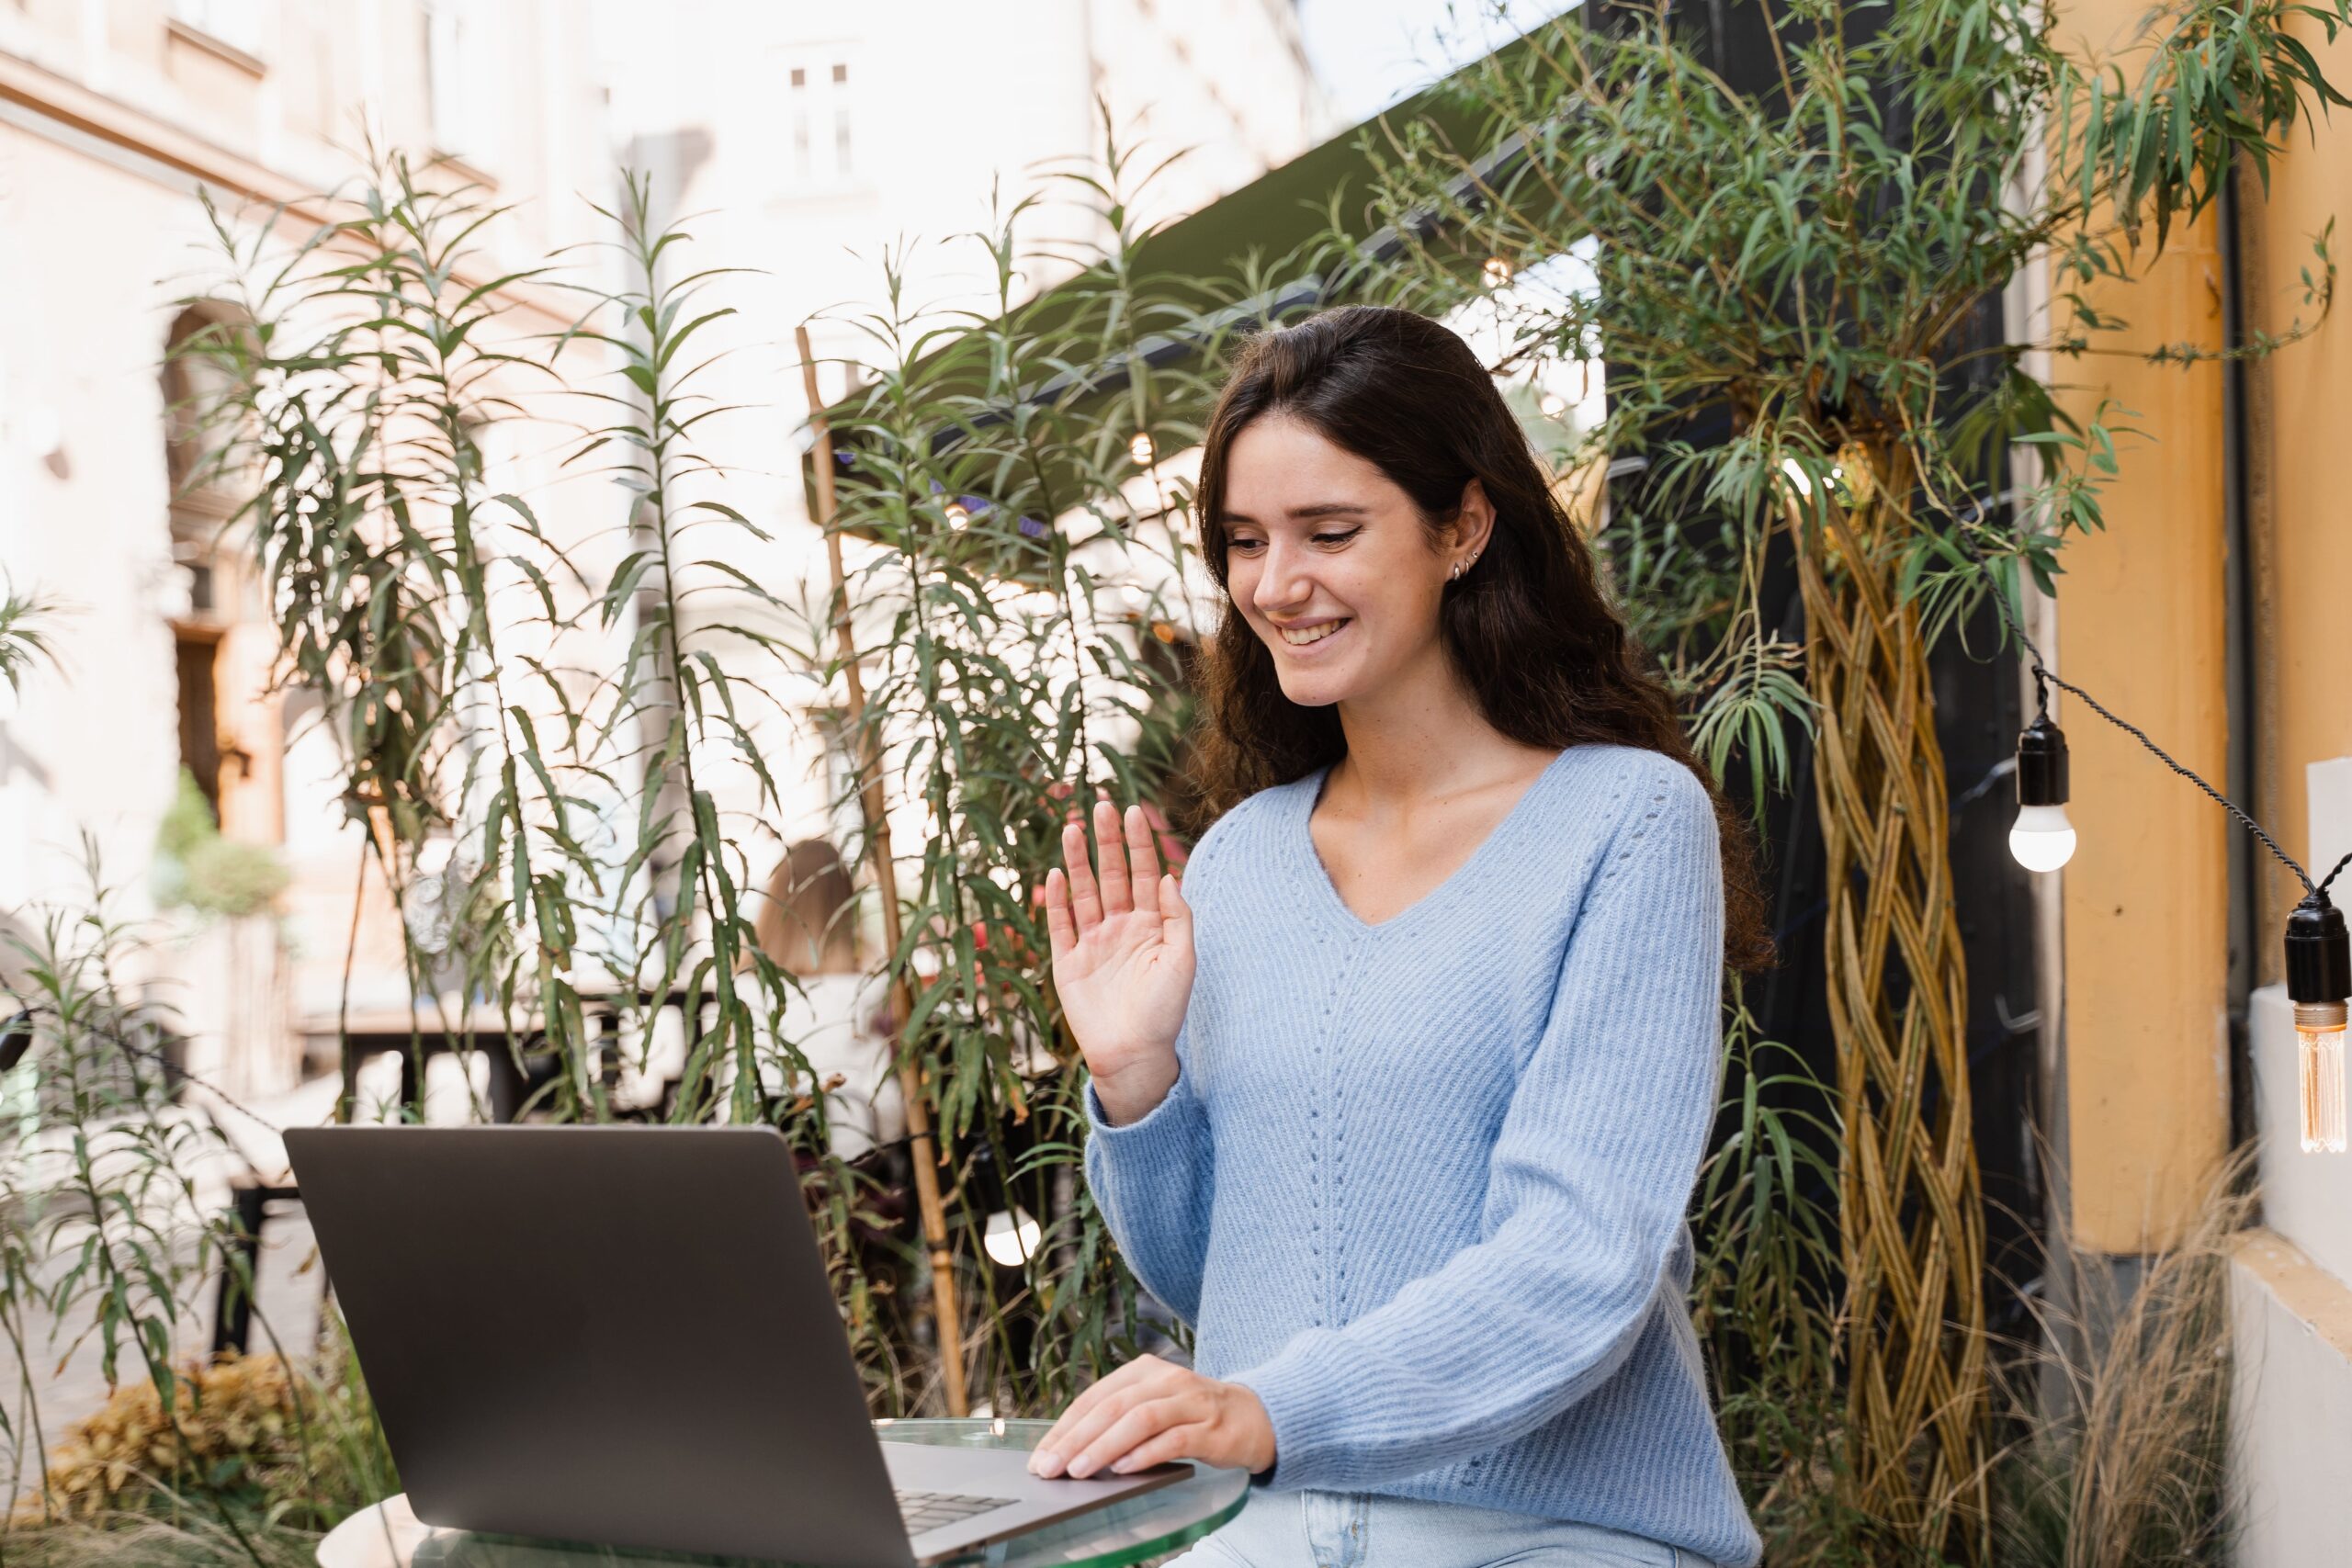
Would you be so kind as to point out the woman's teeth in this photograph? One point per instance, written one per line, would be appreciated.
(1300, 637)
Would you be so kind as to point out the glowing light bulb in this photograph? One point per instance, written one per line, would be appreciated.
(2041, 838)
(2319, 973)
(1011, 1239)
(2319, 1051)
(1140, 448)
(1497, 272)
(957, 517)
(1553, 405)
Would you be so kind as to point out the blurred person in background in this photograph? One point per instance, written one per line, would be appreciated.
(841, 1022)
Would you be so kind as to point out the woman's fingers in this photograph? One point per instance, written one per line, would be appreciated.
(1175, 915)
(1139, 1423)
(1060, 929)
(1118, 895)
(1086, 901)
(1143, 860)
(1090, 1413)
(1173, 1442)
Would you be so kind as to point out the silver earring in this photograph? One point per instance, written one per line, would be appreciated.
(1455, 573)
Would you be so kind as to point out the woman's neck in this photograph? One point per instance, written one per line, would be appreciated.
(1423, 738)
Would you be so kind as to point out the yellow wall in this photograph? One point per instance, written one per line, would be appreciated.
(2139, 616)
(2301, 399)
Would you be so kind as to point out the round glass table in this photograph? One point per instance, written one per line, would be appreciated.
(1118, 1536)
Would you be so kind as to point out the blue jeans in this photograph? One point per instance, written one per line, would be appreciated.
(1356, 1529)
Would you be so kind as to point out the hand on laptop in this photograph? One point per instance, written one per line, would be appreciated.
(1151, 1411)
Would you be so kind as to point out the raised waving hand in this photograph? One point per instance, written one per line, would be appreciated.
(1122, 959)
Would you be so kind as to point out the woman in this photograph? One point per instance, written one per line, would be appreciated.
(1400, 1098)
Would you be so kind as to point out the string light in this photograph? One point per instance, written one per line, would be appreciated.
(2319, 977)
(1010, 1239)
(2319, 955)
(1553, 405)
(958, 518)
(1140, 448)
(2042, 838)
(1496, 271)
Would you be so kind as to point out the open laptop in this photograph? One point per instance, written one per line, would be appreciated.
(624, 1335)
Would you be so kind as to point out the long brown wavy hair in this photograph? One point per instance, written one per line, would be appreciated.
(1529, 626)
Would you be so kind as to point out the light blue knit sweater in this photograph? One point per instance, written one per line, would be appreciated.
(1422, 1185)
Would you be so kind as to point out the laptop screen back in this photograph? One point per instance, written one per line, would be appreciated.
(618, 1335)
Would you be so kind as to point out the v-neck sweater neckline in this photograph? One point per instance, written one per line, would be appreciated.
(1307, 861)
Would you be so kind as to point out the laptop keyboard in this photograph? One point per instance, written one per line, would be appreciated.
(931, 1510)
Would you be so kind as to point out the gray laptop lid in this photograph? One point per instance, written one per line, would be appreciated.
(619, 1335)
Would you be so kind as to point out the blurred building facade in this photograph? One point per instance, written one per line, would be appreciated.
(813, 138)
(113, 114)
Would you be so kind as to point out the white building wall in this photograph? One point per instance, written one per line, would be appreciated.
(112, 114)
(2290, 1281)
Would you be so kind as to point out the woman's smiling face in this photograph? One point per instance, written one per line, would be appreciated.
(1330, 563)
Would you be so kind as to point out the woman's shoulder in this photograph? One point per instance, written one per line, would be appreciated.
(1244, 823)
(1235, 822)
(1600, 797)
(1652, 792)
(1642, 773)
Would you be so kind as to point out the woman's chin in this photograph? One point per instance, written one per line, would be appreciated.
(1315, 689)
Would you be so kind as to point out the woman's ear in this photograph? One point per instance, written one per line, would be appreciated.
(1475, 523)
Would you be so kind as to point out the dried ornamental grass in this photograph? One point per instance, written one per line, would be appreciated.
(234, 1417)
(2126, 1401)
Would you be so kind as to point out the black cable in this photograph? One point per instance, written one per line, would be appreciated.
(2042, 679)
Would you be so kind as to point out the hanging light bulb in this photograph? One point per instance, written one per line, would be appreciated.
(1140, 448)
(2041, 838)
(2319, 978)
(1010, 1239)
(1553, 405)
(1497, 272)
(958, 518)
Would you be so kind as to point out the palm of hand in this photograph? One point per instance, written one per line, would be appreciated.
(1123, 950)
(1125, 981)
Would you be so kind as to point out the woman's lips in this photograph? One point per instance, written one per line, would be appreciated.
(1323, 632)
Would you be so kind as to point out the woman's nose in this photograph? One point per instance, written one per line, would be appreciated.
(1284, 581)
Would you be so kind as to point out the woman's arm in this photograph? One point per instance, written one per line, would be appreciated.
(1152, 1179)
(1589, 1183)
(1122, 965)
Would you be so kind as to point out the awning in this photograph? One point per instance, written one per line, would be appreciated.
(1270, 227)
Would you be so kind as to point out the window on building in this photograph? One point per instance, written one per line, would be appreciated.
(236, 23)
(821, 116)
(218, 734)
(197, 413)
(457, 80)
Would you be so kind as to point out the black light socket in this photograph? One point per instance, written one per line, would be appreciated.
(2319, 954)
(2041, 763)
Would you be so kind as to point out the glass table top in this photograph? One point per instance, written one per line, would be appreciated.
(1116, 1536)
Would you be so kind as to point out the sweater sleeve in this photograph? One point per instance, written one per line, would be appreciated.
(1154, 1177)
(1587, 1187)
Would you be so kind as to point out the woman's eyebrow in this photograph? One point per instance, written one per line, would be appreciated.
(1320, 509)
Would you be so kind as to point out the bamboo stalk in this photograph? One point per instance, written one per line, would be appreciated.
(885, 878)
